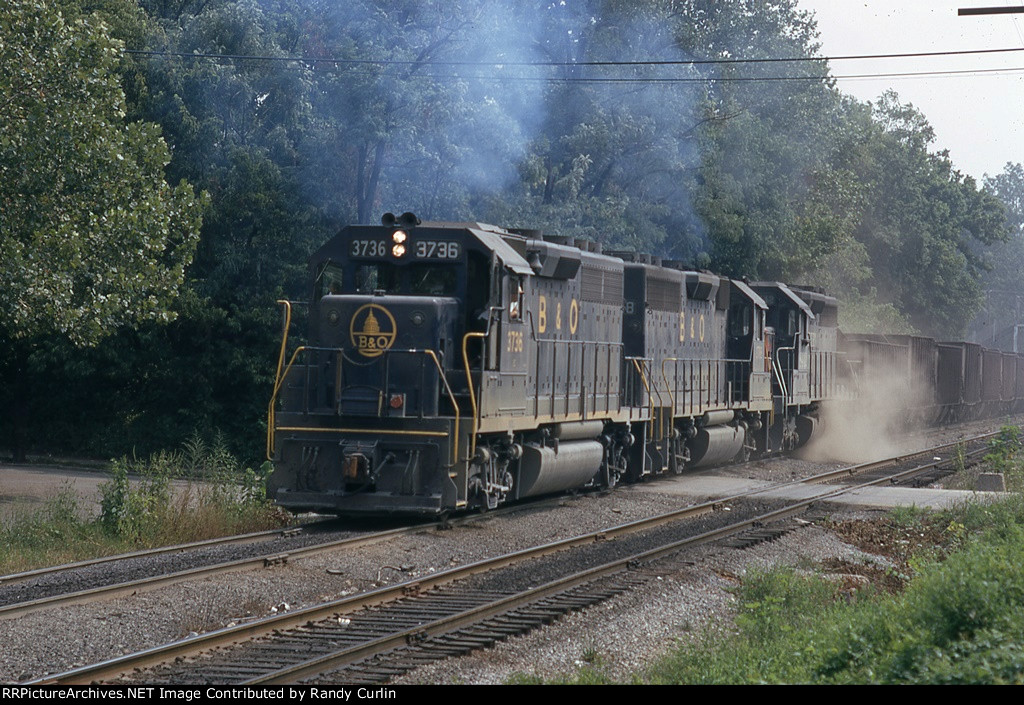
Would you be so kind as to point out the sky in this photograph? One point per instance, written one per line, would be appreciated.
(978, 118)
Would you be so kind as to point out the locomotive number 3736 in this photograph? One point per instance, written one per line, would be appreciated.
(424, 249)
(437, 249)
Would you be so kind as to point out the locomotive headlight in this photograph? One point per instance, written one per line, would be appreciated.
(398, 237)
(398, 250)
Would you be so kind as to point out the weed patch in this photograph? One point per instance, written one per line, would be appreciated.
(959, 618)
(138, 509)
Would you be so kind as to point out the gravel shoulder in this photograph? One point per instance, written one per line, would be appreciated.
(625, 633)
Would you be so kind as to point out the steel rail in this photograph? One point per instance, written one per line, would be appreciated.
(254, 537)
(238, 540)
(877, 464)
(18, 609)
(327, 662)
(230, 635)
(132, 587)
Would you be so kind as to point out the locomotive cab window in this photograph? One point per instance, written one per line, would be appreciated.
(479, 291)
(432, 280)
(792, 324)
(740, 327)
(329, 280)
(515, 299)
(739, 321)
(381, 276)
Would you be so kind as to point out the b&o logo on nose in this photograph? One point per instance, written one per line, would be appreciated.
(372, 330)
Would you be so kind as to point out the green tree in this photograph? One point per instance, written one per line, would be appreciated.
(924, 222)
(1009, 187)
(91, 235)
(234, 128)
(995, 325)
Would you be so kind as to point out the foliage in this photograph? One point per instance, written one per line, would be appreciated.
(1003, 449)
(47, 535)
(865, 313)
(137, 511)
(1004, 457)
(500, 111)
(133, 511)
(91, 236)
(1004, 294)
(139, 506)
(959, 620)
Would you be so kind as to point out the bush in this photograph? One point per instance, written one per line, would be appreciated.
(47, 535)
(1004, 456)
(960, 620)
(222, 497)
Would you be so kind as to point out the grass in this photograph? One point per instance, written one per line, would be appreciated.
(52, 534)
(958, 618)
(1004, 456)
(139, 509)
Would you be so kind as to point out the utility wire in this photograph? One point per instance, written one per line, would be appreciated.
(640, 80)
(723, 79)
(565, 64)
(622, 79)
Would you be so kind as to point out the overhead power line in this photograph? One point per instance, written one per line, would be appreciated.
(963, 11)
(945, 73)
(723, 79)
(566, 64)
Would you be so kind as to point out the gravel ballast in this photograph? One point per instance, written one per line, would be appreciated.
(624, 633)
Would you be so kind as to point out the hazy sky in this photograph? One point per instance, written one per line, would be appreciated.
(979, 118)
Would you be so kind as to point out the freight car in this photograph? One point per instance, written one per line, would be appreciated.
(922, 381)
(451, 366)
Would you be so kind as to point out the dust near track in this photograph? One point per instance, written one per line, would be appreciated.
(626, 633)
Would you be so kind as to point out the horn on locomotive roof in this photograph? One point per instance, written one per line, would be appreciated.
(406, 220)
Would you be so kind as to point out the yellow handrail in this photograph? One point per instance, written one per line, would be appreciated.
(277, 377)
(472, 394)
(650, 397)
(669, 387)
(273, 402)
(455, 405)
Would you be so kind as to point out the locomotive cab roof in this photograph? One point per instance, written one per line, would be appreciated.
(787, 293)
(817, 299)
(749, 293)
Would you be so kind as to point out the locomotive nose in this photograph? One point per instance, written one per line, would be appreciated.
(386, 348)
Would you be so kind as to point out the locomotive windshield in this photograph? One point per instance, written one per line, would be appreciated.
(432, 280)
(379, 276)
(329, 279)
(427, 279)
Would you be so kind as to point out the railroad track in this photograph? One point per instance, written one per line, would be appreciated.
(906, 469)
(237, 540)
(378, 634)
(52, 595)
(277, 556)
